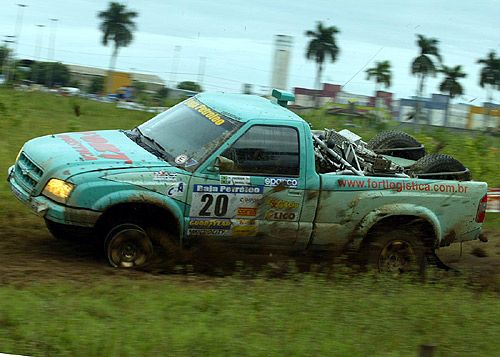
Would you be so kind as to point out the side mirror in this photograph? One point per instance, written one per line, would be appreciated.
(224, 164)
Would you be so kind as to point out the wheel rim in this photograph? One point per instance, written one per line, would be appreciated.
(129, 248)
(397, 256)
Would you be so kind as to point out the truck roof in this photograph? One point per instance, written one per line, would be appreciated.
(244, 107)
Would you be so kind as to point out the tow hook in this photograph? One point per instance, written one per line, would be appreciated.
(482, 237)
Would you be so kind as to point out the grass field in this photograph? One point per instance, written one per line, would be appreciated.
(79, 307)
(305, 316)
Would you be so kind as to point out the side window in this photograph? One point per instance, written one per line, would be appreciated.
(266, 150)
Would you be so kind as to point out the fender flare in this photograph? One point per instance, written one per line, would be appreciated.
(112, 199)
(392, 210)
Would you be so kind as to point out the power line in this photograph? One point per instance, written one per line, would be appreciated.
(362, 68)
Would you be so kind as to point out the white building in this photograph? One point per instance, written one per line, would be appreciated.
(281, 61)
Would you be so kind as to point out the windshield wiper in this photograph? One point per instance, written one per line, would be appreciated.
(152, 144)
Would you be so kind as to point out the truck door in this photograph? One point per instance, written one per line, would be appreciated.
(258, 197)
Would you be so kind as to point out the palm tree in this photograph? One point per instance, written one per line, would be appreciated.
(382, 75)
(490, 73)
(322, 46)
(490, 76)
(117, 26)
(450, 85)
(423, 65)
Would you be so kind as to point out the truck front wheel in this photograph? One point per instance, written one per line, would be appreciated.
(128, 246)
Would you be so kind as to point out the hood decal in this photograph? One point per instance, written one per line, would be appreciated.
(103, 149)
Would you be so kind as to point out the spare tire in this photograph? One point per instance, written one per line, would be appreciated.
(393, 139)
(335, 142)
(440, 164)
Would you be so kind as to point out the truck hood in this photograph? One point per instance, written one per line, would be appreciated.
(68, 154)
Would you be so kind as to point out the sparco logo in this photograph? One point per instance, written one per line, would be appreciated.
(275, 181)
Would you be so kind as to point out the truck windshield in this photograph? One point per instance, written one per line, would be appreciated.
(189, 132)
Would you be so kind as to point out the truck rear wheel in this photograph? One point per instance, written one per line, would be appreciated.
(394, 251)
(393, 139)
(128, 246)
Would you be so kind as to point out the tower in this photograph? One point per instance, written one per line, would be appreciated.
(281, 61)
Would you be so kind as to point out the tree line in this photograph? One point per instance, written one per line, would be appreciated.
(117, 26)
(428, 63)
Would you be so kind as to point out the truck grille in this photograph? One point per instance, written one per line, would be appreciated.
(27, 173)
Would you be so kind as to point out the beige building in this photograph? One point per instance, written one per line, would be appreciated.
(85, 74)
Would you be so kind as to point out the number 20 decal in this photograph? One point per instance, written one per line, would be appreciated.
(220, 209)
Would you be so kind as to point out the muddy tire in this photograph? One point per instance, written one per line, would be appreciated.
(392, 139)
(440, 163)
(394, 251)
(128, 246)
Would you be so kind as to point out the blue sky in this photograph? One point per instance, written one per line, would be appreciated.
(236, 38)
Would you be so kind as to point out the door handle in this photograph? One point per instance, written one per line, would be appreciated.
(293, 192)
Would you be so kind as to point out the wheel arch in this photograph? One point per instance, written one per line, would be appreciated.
(159, 209)
(399, 215)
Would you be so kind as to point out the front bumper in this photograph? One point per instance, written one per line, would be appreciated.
(51, 210)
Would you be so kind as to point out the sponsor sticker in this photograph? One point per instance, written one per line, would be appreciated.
(191, 162)
(209, 227)
(181, 159)
(247, 211)
(276, 181)
(225, 201)
(228, 189)
(208, 113)
(176, 190)
(208, 232)
(165, 176)
(282, 204)
(235, 180)
(273, 215)
(244, 228)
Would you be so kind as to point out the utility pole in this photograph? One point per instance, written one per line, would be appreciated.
(38, 46)
(6, 61)
(18, 28)
(51, 50)
(39, 40)
(175, 64)
(52, 44)
(201, 70)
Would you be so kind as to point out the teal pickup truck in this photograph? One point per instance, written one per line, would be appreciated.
(246, 170)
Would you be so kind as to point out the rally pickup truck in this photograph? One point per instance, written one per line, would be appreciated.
(247, 170)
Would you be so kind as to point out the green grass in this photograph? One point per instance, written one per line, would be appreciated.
(26, 115)
(124, 315)
(305, 316)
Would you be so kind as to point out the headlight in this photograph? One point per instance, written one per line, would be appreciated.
(58, 190)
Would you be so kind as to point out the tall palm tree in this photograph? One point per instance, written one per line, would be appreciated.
(490, 73)
(382, 75)
(450, 85)
(490, 76)
(424, 64)
(322, 46)
(117, 26)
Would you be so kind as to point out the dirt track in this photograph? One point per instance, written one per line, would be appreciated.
(37, 256)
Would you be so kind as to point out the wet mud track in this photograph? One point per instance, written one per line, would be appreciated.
(33, 255)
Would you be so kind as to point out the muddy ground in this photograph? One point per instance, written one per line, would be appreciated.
(34, 255)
